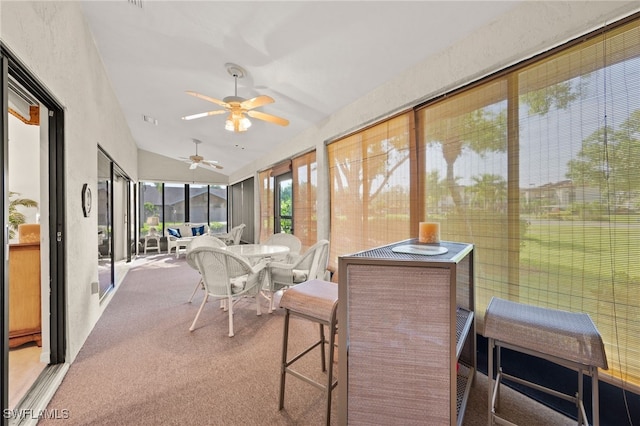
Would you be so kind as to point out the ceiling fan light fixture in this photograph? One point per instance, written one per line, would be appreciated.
(237, 106)
(237, 123)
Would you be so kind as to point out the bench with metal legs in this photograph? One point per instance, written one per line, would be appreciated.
(565, 338)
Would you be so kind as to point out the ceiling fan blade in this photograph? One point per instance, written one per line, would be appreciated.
(268, 117)
(208, 98)
(213, 164)
(203, 114)
(256, 102)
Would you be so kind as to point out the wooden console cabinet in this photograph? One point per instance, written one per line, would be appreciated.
(24, 294)
(407, 348)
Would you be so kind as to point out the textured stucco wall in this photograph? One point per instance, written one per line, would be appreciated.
(52, 40)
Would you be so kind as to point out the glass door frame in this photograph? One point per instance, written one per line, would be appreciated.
(129, 215)
(11, 66)
(278, 215)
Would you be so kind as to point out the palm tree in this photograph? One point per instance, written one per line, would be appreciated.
(490, 190)
(15, 217)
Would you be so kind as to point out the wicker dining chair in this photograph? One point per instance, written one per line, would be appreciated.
(288, 240)
(232, 238)
(312, 264)
(228, 277)
(201, 241)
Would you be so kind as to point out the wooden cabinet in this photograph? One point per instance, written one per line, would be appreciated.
(407, 351)
(24, 294)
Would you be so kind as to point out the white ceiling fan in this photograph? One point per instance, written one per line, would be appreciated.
(237, 107)
(197, 160)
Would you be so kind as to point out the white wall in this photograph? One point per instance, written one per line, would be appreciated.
(53, 41)
(24, 165)
(153, 167)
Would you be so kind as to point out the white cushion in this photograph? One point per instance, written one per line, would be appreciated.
(300, 275)
(238, 283)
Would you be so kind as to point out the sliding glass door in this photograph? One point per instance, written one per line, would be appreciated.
(116, 235)
(105, 273)
(33, 169)
(241, 208)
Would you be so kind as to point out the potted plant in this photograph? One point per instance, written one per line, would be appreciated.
(152, 213)
(17, 218)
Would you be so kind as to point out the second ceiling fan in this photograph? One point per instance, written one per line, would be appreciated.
(237, 107)
(197, 160)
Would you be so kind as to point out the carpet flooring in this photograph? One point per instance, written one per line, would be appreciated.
(142, 366)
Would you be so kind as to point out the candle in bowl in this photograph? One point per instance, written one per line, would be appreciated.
(429, 232)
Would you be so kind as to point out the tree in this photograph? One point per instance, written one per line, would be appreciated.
(481, 131)
(608, 159)
(541, 101)
(436, 191)
(484, 130)
(372, 175)
(490, 190)
(150, 208)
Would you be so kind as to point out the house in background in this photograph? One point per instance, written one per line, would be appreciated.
(204, 201)
(551, 199)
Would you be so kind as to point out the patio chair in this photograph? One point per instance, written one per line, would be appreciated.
(288, 240)
(154, 236)
(227, 276)
(311, 265)
(201, 241)
(232, 238)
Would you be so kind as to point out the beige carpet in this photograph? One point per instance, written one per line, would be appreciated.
(142, 366)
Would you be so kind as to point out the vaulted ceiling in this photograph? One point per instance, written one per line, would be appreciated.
(312, 57)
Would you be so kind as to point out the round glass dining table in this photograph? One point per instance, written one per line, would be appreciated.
(255, 252)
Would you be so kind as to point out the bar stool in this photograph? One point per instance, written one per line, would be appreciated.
(316, 301)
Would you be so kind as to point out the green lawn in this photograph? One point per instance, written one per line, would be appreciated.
(595, 260)
(578, 266)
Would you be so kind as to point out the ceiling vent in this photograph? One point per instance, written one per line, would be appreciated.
(150, 120)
